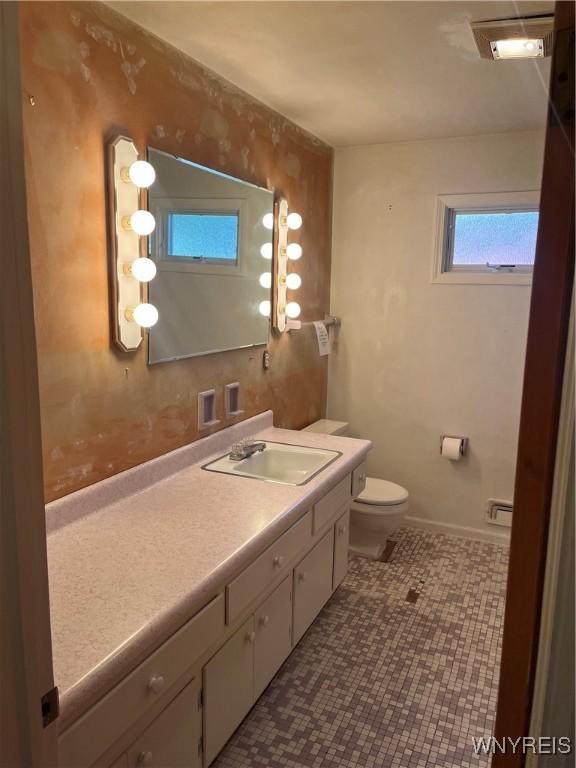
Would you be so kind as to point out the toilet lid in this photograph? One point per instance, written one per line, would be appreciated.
(382, 492)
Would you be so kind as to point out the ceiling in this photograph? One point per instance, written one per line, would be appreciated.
(361, 72)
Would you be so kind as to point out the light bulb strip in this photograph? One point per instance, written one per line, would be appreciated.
(281, 266)
(284, 310)
(128, 249)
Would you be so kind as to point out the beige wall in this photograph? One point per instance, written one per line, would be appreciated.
(414, 359)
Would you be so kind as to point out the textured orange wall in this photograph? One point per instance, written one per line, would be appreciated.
(86, 72)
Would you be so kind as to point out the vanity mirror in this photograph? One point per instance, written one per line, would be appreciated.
(213, 249)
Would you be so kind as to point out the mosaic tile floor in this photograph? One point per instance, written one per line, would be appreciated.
(380, 682)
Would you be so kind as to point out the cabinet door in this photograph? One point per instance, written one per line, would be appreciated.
(341, 542)
(173, 738)
(228, 689)
(312, 584)
(273, 626)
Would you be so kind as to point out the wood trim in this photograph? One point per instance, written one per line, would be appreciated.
(541, 400)
(25, 641)
(555, 619)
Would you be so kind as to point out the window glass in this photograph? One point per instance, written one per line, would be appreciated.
(504, 238)
(208, 237)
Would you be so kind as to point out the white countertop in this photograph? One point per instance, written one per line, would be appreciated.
(133, 558)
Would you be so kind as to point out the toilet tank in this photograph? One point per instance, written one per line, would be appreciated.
(328, 427)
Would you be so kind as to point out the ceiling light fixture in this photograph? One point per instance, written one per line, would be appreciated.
(522, 38)
(518, 48)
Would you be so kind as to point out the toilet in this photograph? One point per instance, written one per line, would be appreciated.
(377, 512)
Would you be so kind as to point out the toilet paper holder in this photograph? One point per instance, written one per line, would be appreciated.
(463, 443)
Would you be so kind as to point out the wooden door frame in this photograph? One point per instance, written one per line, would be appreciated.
(551, 701)
(25, 641)
(541, 400)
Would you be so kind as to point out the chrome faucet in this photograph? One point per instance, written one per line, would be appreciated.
(245, 448)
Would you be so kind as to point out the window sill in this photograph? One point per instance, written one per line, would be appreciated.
(481, 278)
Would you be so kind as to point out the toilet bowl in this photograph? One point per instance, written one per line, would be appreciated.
(377, 512)
(375, 515)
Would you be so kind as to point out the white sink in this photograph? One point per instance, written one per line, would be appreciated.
(278, 463)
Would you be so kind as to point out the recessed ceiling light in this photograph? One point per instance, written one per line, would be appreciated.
(529, 38)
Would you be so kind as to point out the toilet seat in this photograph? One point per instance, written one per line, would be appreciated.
(381, 493)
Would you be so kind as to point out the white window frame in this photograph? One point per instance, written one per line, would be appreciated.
(527, 200)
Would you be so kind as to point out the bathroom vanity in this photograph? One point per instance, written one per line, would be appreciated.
(177, 593)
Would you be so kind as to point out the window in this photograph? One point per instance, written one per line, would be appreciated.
(206, 237)
(497, 240)
(486, 238)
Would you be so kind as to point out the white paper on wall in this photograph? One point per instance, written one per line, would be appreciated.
(323, 338)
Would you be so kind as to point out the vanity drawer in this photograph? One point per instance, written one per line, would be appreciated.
(101, 726)
(272, 562)
(358, 480)
(328, 506)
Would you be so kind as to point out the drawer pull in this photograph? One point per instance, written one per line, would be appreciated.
(278, 561)
(302, 576)
(250, 637)
(156, 684)
(144, 759)
(341, 530)
(264, 620)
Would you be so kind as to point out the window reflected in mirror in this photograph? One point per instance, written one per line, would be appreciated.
(211, 238)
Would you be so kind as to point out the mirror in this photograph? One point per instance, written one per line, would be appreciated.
(213, 253)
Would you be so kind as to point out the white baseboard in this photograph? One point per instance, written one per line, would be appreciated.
(464, 532)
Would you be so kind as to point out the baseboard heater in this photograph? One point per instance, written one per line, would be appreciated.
(499, 513)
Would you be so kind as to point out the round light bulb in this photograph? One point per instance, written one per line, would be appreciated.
(264, 308)
(142, 222)
(292, 309)
(143, 269)
(293, 281)
(265, 280)
(294, 251)
(146, 315)
(268, 220)
(530, 45)
(142, 174)
(266, 251)
(294, 221)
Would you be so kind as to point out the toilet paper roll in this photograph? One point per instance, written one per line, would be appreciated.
(451, 448)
